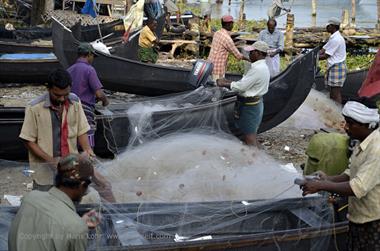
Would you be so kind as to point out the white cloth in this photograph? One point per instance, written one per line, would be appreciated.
(361, 113)
(273, 64)
(336, 48)
(255, 82)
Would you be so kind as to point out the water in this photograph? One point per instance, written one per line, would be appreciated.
(366, 15)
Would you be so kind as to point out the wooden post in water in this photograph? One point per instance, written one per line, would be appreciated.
(289, 36)
(241, 14)
(345, 19)
(378, 15)
(353, 13)
(314, 8)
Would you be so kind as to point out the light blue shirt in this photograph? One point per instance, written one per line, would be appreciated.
(274, 40)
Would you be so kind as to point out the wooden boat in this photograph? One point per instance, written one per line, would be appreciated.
(286, 93)
(351, 86)
(24, 40)
(27, 68)
(294, 224)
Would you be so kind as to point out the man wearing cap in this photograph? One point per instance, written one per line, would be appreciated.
(361, 181)
(222, 44)
(86, 85)
(275, 40)
(48, 220)
(335, 53)
(147, 41)
(249, 106)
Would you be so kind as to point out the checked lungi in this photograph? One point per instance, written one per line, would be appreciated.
(336, 75)
(89, 111)
(364, 237)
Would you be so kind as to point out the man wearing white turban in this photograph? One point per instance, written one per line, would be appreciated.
(361, 181)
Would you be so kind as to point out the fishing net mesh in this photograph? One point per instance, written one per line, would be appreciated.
(181, 179)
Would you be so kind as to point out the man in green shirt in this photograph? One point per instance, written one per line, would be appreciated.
(48, 220)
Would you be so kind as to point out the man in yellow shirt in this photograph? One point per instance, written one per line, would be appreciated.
(147, 41)
(361, 182)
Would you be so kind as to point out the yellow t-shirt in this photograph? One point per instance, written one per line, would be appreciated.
(147, 38)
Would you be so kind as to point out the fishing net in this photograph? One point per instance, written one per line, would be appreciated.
(181, 180)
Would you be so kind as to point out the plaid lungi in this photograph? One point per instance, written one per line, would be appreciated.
(89, 111)
(336, 75)
(364, 237)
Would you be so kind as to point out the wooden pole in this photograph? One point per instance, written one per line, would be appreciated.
(38, 8)
(353, 12)
(241, 13)
(345, 19)
(378, 15)
(289, 32)
(314, 8)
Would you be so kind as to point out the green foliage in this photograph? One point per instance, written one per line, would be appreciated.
(234, 65)
(353, 62)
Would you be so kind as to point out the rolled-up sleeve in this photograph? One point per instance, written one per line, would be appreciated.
(367, 177)
(29, 127)
(230, 46)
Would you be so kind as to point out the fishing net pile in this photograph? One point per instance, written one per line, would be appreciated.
(183, 179)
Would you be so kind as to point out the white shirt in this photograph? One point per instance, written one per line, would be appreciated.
(336, 48)
(255, 82)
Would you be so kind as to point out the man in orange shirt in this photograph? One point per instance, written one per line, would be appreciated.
(222, 44)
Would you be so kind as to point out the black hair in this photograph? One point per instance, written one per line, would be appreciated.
(224, 24)
(272, 20)
(83, 54)
(59, 78)
(62, 181)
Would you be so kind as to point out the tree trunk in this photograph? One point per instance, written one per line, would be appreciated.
(378, 15)
(38, 8)
(129, 4)
(353, 12)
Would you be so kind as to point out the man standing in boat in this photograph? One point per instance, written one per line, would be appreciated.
(361, 181)
(275, 40)
(222, 44)
(335, 53)
(53, 126)
(249, 106)
(147, 42)
(86, 85)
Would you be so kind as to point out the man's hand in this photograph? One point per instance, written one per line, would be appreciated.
(311, 186)
(89, 152)
(222, 82)
(92, 219)
(321, 175)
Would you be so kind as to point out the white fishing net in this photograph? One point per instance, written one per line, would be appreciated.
(181, 179)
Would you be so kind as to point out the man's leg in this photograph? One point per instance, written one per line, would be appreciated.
(251, 139)
(335, 94)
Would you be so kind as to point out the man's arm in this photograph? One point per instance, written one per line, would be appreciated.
(83, 142)
(323, 55)
(102, 97)
(313, 186)
(37, 151)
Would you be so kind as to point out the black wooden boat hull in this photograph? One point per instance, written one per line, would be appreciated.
(122, 74)
(27, 71)
(10, 43)
(286, 93)
(350, 88)
(276, 225)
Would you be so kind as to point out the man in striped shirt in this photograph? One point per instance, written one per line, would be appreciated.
(221, 46)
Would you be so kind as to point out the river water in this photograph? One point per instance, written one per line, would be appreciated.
(366, 11)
